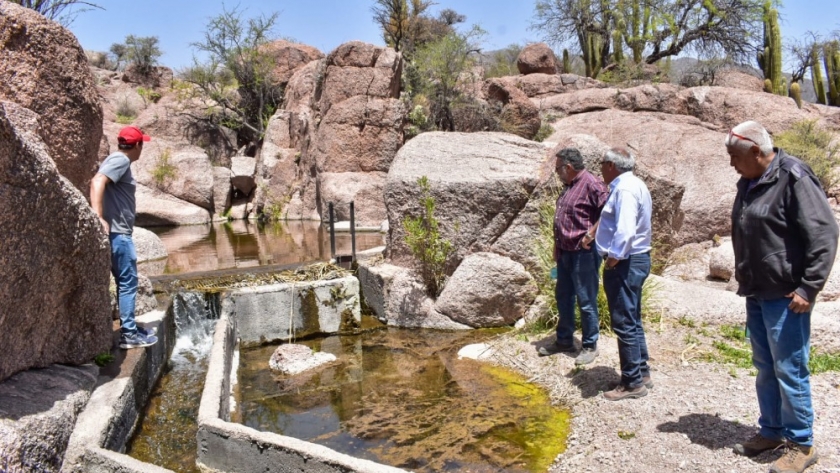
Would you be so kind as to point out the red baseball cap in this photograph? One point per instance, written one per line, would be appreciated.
(131, 135)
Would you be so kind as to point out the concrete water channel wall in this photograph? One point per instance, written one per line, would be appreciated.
(254, 315)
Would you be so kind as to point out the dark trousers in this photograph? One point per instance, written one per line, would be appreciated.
(623, 287)
(577, 280)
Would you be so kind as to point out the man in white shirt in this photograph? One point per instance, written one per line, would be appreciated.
(623, 238)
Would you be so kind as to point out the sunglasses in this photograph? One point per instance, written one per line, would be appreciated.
(740, 137)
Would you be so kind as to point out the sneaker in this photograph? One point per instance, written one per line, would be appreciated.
(555, 348)
(586, 356)
(757, 444)
(137, 340)
(647, 382)
(623, 392)
(151, 331)
(796, 459)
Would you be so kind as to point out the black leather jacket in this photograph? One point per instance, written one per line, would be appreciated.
(783, 232)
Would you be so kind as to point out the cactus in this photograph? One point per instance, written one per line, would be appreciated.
(832, 69)
(567, 63)
(816, 75)
(618, 50)
(770, 58)
(796, 93)
(592, 55)
(768, 86)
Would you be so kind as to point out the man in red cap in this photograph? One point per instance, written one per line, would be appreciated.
(112, 198)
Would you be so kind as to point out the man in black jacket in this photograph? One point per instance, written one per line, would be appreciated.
(785, 239)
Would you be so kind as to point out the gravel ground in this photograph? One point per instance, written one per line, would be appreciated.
(689, 422)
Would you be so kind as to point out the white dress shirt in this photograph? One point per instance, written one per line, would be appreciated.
(625, 220)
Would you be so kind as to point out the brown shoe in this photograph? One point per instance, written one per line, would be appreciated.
(757, 444)
(623, 392)
(795, 460)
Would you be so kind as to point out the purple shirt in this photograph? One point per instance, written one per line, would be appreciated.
(577, 210)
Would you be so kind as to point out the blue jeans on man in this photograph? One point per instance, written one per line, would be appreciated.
(780, 340)
(124, 269)
(577, 280)
(623, 288)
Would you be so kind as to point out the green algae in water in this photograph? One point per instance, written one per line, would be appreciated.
(401, 397)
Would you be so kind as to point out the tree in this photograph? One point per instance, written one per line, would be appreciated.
(442, 64)
(142, 52)
(62, 11)
(398, 21)
(651, 29)
(236, 82)
(503, 62)
(118, 52)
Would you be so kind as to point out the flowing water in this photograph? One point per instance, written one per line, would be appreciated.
(166, 436)
(401, 397)
(244, 244)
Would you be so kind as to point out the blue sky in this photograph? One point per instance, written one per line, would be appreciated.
(326, 24)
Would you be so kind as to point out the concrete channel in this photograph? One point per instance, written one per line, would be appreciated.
(249, 316)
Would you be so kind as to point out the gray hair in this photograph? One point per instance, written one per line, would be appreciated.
(622, 158)
(750, 133)
(571, 156)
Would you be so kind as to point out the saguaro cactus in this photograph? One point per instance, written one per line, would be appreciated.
(770, 58)
(796, 93)
(567, 63)
(832, 69)
(816, 75)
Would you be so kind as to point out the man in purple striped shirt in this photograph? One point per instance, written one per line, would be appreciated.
(578, 263)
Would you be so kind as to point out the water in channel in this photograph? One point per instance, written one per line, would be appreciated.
(245, 244)
(401, 397)
(166, 434)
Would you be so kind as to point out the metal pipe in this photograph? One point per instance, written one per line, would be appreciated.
(352, 232)
(332, 232)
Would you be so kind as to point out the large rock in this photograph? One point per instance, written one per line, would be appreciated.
(358, 68)
(43, 68)
(360, 134)
(538, 86)
(536, 58)
(189, 176)
(736, 79)
(480, 183)
(147, 245)
(518, 115)
(38, 411)
(364, 189)
(221, 190)
(487, 290)
(292, 358)
(243, 173)
(667, 146)
(156, 208)
(722, 261)
(288, 57)
(54, 256)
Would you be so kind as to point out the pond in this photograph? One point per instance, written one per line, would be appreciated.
(403, 398)
(244, 244)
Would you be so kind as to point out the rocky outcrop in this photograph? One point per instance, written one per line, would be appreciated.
(184, 173)
(667, 147)
(44, 69)
(155, 208)
(480, 183)
(487, 290)
(364, 189)
(243, 171)
(518, 115)
(358, 68)
(536, 58)
(221, 191)
(54, 257)
(288, 57)
(736, 79)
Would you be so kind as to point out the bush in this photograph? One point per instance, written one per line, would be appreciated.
(163, 170)
(424, 240)
(148, 95)
(812, 144)
(126, 113)
(544, 132)
(142, 52)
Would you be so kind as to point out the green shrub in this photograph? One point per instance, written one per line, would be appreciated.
(148, 95)
(126, 113)
(163, 170)
(813, 145)
(544, 132)
(425, 242)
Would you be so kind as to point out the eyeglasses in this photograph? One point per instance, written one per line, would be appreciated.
(740, 137)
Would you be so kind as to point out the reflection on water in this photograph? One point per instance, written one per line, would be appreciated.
(243, 244)
(401, 397)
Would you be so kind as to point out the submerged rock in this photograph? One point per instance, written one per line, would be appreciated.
(294, 359)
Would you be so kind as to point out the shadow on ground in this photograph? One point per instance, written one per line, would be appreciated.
(592, 381)
(715, 433)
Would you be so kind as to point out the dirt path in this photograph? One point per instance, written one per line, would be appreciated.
(695, 413)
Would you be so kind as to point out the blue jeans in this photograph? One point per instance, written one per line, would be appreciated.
(124, 269)
(623, 287)
(577, 278)
(780, 340)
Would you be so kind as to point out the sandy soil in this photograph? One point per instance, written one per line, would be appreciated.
(695, 413)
